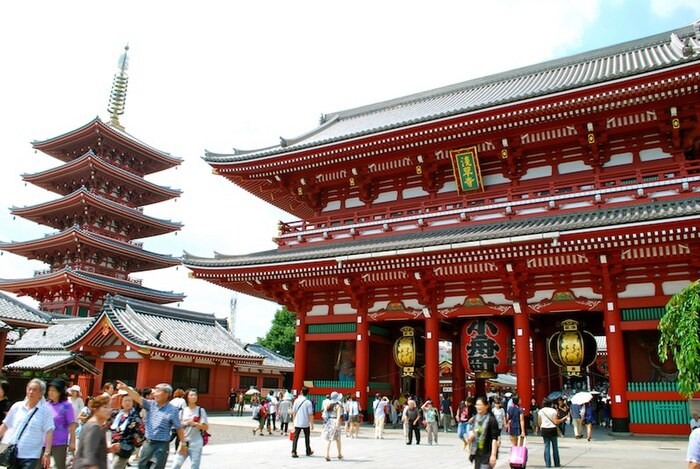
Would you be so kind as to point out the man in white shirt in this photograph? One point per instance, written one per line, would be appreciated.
(303, 415)
(30, 424)
(380, 408)
(693, 454)
(272, 412)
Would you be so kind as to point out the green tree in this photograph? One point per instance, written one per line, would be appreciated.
(280, 337)
(679, 337)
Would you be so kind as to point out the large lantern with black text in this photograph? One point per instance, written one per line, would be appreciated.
(486, 347)
(572, 349)
(405, 351)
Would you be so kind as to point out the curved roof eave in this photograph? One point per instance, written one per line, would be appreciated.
(524, 72)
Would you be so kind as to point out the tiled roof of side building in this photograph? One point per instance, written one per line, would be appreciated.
(59, 333)
(13, 310)
(50, 360)
(271, 358)
(465, 233)
(611, 63)
(151, 325)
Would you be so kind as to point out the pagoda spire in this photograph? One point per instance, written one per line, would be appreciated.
(117, 97)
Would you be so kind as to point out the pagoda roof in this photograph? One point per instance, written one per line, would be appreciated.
(59, 279)
(16, 313)
(71, 176)
(53, 212)
(637, 57)
(161, 328)
(48, 361)
(75, 143)
(472, 235)
(42, 247)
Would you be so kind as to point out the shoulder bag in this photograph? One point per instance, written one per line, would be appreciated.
(205, 434)
(8, 458)
(559, 433)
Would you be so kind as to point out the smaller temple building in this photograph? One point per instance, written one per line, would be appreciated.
(144, 344)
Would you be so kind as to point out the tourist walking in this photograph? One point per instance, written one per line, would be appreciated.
(161, 418)
(260, 416)
(4, 401)
(127, 431)
(446, 413)
(28, 424)
(430, 416)
(465, 414)
(354, 409)
(331, 427)
(232, 401)
(303, 415)
(563, 411)
(92, 452)
(484, 436)
(548, 422)
(241, 403)
(413, 417)
(515, 422)
(75, 397)
(285, 413)
(381, 408)
(271, 412)
(534, 408)
(64, 422)
(195, 422)
(500, 414)
(588, 419)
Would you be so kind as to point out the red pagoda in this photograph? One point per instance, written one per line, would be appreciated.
(98, 216)
(517, 216)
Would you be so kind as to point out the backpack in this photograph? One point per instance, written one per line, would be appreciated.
(262, 413)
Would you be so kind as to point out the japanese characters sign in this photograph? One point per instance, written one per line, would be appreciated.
(465, 165)
(486, 347)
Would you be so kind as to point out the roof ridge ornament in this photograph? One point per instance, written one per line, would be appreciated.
(117, 97)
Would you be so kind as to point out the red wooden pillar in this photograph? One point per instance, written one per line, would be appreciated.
(432, 357)
(299, 354)
(3, 345)
(619, 409)
(539, 358)
(458, 389)
(362, 357)
(523, 370)
(143, 378)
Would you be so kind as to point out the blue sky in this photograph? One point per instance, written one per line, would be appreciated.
(216, 75)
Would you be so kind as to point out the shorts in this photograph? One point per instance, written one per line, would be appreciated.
(354, 418)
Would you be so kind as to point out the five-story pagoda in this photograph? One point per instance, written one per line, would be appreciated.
(98, 216)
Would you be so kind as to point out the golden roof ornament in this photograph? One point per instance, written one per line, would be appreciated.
(117, 98)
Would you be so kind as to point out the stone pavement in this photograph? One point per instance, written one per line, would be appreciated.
(603, 452)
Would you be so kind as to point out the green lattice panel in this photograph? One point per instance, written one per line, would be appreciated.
(659, 412)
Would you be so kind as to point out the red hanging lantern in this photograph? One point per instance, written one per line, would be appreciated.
(486, 347)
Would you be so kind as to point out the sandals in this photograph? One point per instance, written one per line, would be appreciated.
(328, 458)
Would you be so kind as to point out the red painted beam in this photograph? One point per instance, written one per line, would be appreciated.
(660, 429)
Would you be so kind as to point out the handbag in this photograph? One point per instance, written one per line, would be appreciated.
(8, 458)
(559, 433)
(205, 434)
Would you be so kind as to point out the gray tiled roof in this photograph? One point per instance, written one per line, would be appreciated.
(271, 358)
(59, 333)
(611, 63)
(464, 233)
(12, 310)
(154, 326)
(51, 360)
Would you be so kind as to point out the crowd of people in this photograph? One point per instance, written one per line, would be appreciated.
(52, 425)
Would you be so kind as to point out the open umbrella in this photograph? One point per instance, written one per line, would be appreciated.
(251, 391)
(581, 398)
(555, 395)
(595, 392)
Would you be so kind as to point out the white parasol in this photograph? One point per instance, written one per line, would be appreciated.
(251, 391)
(581, 398)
